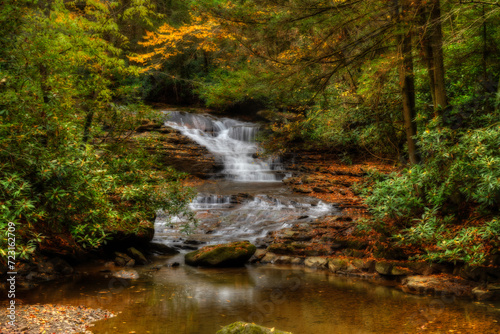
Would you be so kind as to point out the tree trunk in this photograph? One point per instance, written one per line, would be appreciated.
(427, 54)
(407, 84)
(436, 35)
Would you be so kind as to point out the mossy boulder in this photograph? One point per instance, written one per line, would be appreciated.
(234, 254)
(247, 328)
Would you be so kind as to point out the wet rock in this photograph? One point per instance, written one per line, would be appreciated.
(438, 285)
(269, 258)
(258, 255)
(383, 267)
(316, 262)
(137, 256)
(302, 189)
(351, 269)
(61, 266)
(193, 242)
(401, 271)
(247, 328)
(297, 261)
(363, 264)
(126, 273)
(284, 259)
(123, 260)
(162, 249)
(482, 294)
(337, 264)
(224, 255)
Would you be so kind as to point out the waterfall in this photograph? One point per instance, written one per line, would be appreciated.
(232, 141)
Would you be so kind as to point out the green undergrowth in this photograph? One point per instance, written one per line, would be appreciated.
(445, 209)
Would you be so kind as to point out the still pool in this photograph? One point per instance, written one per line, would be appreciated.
(194, 300)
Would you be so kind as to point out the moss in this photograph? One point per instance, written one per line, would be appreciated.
(247, 328)
(223, 255)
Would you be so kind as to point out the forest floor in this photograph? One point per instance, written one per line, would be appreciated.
(49, 318)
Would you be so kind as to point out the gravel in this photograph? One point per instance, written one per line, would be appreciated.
(49, 318)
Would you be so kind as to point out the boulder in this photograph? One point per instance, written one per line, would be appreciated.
(482, 294)
(123, 260)
(384, 268)
(316, 262)
(162, 249)
(137, 256)
(337, 264)
(269, 258)
(247, 328)
(225, 255)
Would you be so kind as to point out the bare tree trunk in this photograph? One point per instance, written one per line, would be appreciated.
(441, 100)
(427, 54)
(407, 85)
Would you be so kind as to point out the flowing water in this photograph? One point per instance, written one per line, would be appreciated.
(247, 202)
(230, 140)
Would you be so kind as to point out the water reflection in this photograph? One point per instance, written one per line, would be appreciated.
(191, 300)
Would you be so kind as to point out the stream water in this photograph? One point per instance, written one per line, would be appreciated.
(247, 202)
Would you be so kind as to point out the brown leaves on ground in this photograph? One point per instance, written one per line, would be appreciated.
(49, 318)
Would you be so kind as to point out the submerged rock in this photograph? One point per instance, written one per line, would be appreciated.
(247, 328)
(224, 255)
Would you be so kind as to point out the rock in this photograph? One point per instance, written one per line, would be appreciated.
(362, 264)
(247, 328)
(269, 258)
(383, 268)
(61, 266)
(337, 264)
(46, 267)
(316, 262)
(439, 285)
(119, 261)
(225, 255)
(302, 189)
(297, 261)
(481, 294)
(162, 249)
(123, 260)
(400, 271)
(321, 190)
(137, 256)
(258, 255)
(127, 274)
(284, 259)
(351, 269)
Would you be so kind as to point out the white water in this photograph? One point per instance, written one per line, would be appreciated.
(230, 140)
(250, 220)
(247, 209)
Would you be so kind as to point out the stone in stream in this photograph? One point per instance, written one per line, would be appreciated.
(247, 328)
(224, 255)
(137, 256)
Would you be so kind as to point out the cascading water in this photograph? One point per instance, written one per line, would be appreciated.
(249, 203)
(232, 141)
